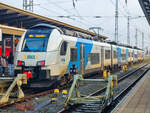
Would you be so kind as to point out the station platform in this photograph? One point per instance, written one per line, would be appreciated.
(138, 100)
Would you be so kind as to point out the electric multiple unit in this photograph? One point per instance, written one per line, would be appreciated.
(44, 53)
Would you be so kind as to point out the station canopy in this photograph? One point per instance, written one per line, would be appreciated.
(15, 17)
(145, 4)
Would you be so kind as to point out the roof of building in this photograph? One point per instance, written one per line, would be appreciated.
(12, 30)
(145, 4)
(12, 16)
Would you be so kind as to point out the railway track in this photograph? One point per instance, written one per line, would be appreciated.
(31, 94)
(137, 74)
(124, 92)
(25, 99)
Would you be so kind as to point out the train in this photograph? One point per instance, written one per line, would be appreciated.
(45, 54)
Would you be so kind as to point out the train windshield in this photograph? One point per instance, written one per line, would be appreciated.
(36, 40)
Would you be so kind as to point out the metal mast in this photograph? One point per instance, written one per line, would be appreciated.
(128, 31)
(142, 40)
(116, 22)
(136, 43)
(28, 5)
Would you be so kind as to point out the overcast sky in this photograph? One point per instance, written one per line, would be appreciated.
(85, 10)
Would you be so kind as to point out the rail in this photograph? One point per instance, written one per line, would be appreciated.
(116, 97)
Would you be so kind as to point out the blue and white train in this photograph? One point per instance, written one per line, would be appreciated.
(45, 53)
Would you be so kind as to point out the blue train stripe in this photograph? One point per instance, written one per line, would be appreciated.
(127, 54)
(118, 55)
(88, 44)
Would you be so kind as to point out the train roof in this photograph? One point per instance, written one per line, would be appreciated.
(122, 45)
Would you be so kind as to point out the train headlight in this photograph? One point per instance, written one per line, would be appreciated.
(41, 63)
(20, 63)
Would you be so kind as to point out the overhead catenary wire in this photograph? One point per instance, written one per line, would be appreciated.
(67, 17)
(84, 19)
(58, 6)
(80, 21)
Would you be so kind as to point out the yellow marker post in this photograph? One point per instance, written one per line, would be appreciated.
(108, 73)
(64, 92)
(56, 91)
(105, 74)
(125, 67)
(112, 84)
(116, 83)
(25, 81)
(53, 100)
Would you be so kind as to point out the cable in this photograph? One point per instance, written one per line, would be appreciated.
(58, 6)
(62, 8)
(49, 10)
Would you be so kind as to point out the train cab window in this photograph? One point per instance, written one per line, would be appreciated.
(63, 48)
(73, 55)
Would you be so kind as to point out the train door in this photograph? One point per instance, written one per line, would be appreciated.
(102, 58)
(82, 59)
(111, 56)
(127, 56)
(119, 56)
(133, 55)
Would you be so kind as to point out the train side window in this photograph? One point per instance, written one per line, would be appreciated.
(107, 54)
(129, 54)
(63, 48)
(123, 56)
(115, 54)
(73, 55)
(93, 58)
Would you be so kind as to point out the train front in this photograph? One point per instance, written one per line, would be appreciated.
(35, 54)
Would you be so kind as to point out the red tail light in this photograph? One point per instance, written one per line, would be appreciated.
(42, 63)
(20, 63)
